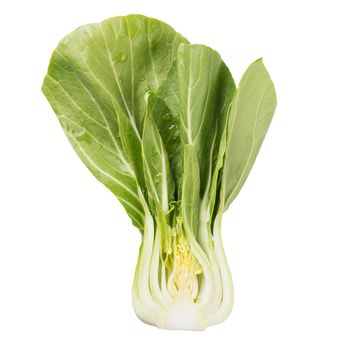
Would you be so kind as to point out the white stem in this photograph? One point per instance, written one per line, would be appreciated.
(226, 279)
(178, 300)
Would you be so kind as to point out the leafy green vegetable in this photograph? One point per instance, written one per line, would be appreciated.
(250, 117)
(161, 124)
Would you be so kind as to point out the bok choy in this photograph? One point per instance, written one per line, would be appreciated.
(161, 124)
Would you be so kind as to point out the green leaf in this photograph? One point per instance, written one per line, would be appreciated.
(190, 198)
(199, 90)
(204, 89)
(169, 91)
(251, 113)
(107, 164)
(131, 144)
(96, 68)
(216, 183)
(168, 127)
(159, 181)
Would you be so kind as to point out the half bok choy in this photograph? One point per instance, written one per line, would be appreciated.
(161, 124)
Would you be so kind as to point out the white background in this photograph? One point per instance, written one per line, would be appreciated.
(68, 250)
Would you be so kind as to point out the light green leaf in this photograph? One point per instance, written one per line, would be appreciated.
(168, 127)
(251, 113)
(205, 91)
(98, 67)
(159, 181)
(216, 182)
(131, 144)
(190, 198)
(169, 91)
(108, 166)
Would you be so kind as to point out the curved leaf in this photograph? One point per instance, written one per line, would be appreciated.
(159, 180)
(251, 113)
(200, 91)
(190, 199)
(168, 128)
(109, 167)
(98, 70)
